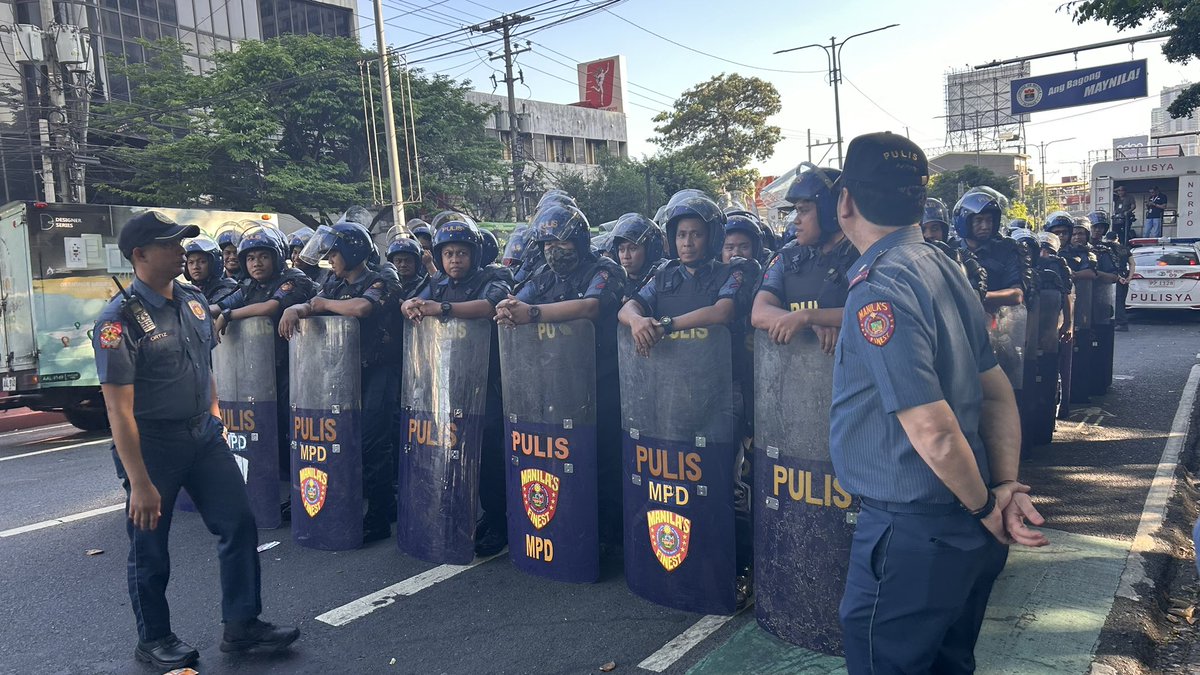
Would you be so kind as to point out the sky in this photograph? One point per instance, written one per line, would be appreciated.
(892, 80)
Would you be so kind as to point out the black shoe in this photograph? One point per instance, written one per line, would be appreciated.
(168, 653)
(376, 531)
(1121, 328)
(745, 588)
(490, 538)
(285, 511)
(254, 634)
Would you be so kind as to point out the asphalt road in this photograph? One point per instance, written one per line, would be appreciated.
(65, 611)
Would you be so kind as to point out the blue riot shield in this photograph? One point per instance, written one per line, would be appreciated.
(244, 369)
(803, 518)
(1104, 302)
(1082, 356)
(325, 373)
(443, 399)
(680, 451)
(549, 378)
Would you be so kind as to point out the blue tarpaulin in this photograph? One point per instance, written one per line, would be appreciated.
(1101, 84)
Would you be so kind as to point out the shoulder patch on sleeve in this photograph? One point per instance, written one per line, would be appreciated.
(287, 286)
(378, 284)
(110, 335)
(877, 323)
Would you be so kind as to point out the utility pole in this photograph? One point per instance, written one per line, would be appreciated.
(1042, 157)
(833, 56)
(819, 144)
(504, 26)
(389, 118)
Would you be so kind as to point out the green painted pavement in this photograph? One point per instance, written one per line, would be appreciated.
(1044, 616)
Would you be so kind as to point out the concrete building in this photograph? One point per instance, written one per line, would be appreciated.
(1000, 163)
(559, 139)
(1180, 133)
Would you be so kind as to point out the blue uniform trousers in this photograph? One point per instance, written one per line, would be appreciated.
(379, 388)
(919, 580)
(192, 454)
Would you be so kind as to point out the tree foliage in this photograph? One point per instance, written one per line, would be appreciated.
(278, 125)
(948, 186)
(623, 185)
(722, 125)
(1181, 17)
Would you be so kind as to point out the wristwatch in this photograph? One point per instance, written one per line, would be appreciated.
(666, 322)
(535, 313)
(987, 508)
(227, 315)
(446, 309)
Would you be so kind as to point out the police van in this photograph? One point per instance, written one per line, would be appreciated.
(56, 267)
(1163, 167)
(1167, 274)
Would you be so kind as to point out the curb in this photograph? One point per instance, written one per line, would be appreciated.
(24, 418)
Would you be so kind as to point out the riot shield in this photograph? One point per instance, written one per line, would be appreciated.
(1104, 301)
(1007, 333)
(549, 380)
(1041, 430)
(1083, 355)
(803, 519)
(244, 368)
(325, 370)
(443, 399)
(680, 450)
(1049, 320)
(1083, 305)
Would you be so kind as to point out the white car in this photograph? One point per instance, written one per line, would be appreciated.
(1167, 275)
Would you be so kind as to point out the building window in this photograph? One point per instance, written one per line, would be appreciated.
(596, 150)
(561, 150)
(300, 17)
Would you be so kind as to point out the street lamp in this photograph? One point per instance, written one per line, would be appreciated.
(1042, 157)
(833, 56)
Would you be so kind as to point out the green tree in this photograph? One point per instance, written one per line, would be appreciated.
(622, 185)
(1182, 18)
(722, 125)
(278, 125)
(948, 186)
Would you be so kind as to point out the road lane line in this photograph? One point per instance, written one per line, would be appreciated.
(684, 642)
(387, 596)
(59, 521)
(32, 430)
(64, 447)
(1161, 488)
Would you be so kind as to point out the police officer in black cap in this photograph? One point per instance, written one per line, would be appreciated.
(152, 348)
(923, 429)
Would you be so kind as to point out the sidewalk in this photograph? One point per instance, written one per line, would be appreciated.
(24, 418)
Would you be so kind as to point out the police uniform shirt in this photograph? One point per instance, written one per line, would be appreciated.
(802, 277)
(1106, 259)
(483, 284)
(372, 287)
(290, 288)
(171, 366)
(216, 288)
(1001, 258)
(1055, 274)
(590, 279)
(1079, 258)
(913, 332)
(692, 286)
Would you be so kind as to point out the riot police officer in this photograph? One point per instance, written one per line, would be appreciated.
(406, 256)
(637, 243)
(1125, 269)
(1082, 262)
(152, 349)
(743, 239)
(204, 268)
(361, 293)
(1055, 273)
(269, 289)
(229, 236)
(935, 228)
(923, 429)
(577, 284)
(296, 243)
(464, 289)
(805, 284)
(977, 218)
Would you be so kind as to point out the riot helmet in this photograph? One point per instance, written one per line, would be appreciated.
(1022, 234)
(744, 226)
(489, 246)
(1049, 240)
(357, 214)
(208, 251)
(555, 197)
(1019, 224)
(660, 216)
(456, 228)
(936, 216)
(769, 239)
(815, 185)
(634, 228)
(1083, 227)
(261, 238)
(1060, 220)
(229, 234)
(706, 211)
(298, 239)
(514, 248)
(1100, 219)
(421, 232)
(562, 223)
(977, 201)
(686, 193)
(348, 238)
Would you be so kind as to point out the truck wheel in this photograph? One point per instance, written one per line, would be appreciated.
(88, 419)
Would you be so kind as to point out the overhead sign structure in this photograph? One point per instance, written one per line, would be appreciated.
(1073, 88)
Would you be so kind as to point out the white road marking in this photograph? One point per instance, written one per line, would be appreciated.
(64, 447)
(1161, 489)
(683, 643)
(59, 521)
(387, 596)
(65, 424)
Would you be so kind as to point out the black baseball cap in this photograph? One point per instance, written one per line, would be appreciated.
(149, 228)
(886, 160)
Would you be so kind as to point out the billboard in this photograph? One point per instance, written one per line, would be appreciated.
(1131, 147)
(1114, 82)
(979, 99)
(602, 84)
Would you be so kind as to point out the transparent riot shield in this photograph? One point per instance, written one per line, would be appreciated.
(1049, 320)
(244, 368)
(549, 377)
(443, 399)
(803, 519)
(1044, 406)
(680, 453)
(1083, 355)
(1083, 304)
(1104, 302)
(1007, 333)
(325, 373)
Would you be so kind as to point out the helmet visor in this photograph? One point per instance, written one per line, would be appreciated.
(319, 246)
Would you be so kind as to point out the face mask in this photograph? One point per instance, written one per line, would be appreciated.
(561, 261)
